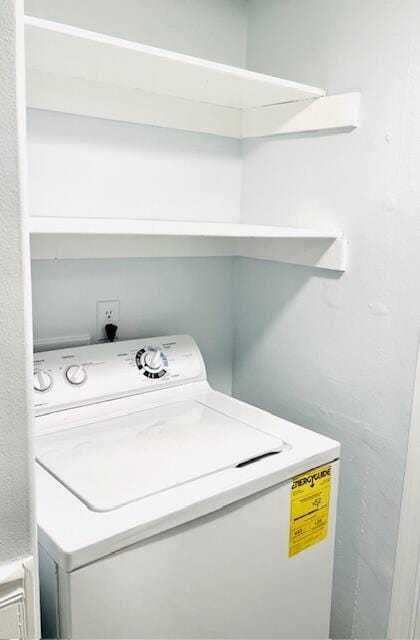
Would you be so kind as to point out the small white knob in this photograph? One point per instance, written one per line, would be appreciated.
(153, 359)
(42, 381)
(76, 374)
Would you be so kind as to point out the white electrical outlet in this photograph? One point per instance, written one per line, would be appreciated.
(107, 312)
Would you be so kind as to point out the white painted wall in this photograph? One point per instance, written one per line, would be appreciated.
(404, 614)
(83, 166)
(17, 526)
(213, 29)
(337, 354)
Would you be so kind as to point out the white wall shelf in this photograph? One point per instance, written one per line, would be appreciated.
(77, 71)
(72, 70)
(61, 238)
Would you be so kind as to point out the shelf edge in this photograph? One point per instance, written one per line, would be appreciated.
(324, 253)
(170, 228)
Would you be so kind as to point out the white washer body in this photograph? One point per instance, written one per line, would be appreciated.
(164, 506)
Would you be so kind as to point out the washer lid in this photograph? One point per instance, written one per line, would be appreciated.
(112, 462)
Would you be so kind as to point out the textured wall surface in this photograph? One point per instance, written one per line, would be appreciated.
(337, 354)
(16, 515)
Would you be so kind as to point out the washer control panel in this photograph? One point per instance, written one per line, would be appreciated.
(83, 375)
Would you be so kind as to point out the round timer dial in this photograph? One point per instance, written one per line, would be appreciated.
(152, 362)
(153, 359)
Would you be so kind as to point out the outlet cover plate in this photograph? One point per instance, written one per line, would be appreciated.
(107, 312)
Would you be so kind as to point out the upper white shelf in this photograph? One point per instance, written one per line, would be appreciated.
(78, 71)
(62, 49)
(115, 226)
(111, 238)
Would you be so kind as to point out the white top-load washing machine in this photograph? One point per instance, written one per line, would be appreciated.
(169, 510)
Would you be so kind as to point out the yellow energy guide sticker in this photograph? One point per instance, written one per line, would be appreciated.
(309, 508)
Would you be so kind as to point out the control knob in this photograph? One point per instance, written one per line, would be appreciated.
(42, 380)
(153, 359)
(76, 374)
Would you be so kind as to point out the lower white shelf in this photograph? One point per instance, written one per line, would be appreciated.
(65, 238)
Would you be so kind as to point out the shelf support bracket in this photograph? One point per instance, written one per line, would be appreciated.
(332, 113)
(322, 253)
